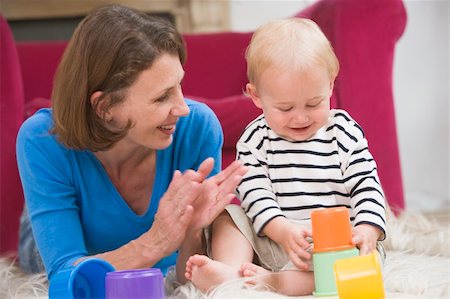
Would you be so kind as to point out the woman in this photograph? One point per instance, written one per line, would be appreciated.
(120, 168)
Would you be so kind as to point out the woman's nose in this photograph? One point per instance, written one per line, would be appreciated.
(180, 108)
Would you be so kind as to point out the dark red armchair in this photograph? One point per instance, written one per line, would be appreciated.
(363, 33)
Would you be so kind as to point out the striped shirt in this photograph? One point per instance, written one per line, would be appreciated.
(291, 178)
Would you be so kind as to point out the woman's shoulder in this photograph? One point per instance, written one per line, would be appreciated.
(200, 115)
(198, 109)
(36, 131)
(38, 124)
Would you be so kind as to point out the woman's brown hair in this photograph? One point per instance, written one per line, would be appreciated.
(107, 52)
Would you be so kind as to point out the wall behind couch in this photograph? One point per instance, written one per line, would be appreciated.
(420, 87)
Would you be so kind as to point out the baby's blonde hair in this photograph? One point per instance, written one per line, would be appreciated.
(291, 44)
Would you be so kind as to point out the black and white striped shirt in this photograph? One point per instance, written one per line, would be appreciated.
(290, 179)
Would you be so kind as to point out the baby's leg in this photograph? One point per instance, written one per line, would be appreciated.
(229, 249)
(228, 244)
(290, 282)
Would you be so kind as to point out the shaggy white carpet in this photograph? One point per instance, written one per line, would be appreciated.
(417, 266)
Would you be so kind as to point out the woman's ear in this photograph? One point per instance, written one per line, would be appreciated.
(250, 89)
(99, 105)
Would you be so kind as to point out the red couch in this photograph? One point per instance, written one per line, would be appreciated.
(363, 33)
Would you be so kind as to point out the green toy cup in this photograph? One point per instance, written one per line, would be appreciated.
(325, 283)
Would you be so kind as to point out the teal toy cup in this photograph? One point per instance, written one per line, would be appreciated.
(85, 280)
(324, 279)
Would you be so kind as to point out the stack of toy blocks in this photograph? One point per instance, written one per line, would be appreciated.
(338, 268)
(332, 235)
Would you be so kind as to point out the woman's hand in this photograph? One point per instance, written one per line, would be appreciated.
(174, 214)
(169, 228)
(191, 202)
(215, 192)
(365, 237)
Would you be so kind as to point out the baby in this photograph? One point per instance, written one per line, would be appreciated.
(302, 156)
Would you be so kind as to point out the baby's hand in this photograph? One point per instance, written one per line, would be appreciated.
(295, 244)
(365, 237)
(292, 238)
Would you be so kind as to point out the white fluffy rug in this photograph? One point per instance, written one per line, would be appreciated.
(417, 266)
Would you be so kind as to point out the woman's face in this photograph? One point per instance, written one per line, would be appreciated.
(154, 103)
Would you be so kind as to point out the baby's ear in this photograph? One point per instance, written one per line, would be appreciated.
(331, 87)
(253, 94)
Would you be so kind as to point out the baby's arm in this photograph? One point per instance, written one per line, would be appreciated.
(361, 179)
(292, 238)
(258, 199)
(365, 237)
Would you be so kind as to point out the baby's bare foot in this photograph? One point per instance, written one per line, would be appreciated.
(250, 269)
(258, 276)
(290, 283)
(206, 273)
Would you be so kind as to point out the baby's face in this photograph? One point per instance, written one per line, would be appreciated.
(295, 104)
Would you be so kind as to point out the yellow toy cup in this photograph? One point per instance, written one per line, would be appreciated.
(331, 229)
(359, 277)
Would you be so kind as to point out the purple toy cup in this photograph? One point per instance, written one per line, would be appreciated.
(135, 284)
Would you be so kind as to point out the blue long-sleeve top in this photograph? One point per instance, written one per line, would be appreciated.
(74, 208)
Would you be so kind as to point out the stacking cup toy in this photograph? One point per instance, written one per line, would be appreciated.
(332, 237)
(332, 230)
(325, 284)
(85, 280)
(359, 277)
(135, 284)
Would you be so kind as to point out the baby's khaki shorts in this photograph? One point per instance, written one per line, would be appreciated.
(268, 253)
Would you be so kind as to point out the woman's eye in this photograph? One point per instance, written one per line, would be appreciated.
(163, 98)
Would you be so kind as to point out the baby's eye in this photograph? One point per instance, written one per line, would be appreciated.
(285, 109)
(314, 104)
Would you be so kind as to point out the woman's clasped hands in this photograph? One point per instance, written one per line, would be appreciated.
(193, 201)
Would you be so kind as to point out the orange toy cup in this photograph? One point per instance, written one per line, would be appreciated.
(331, 229)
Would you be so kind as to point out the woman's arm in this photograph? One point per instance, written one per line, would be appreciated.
(73, 210)
(169, 228)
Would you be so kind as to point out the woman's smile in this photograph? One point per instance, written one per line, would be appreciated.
(167, 129)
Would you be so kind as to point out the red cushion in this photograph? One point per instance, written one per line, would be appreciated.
(38, 61)
(215, 65)
(11, 117)
(35, 104)
(234, 114)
